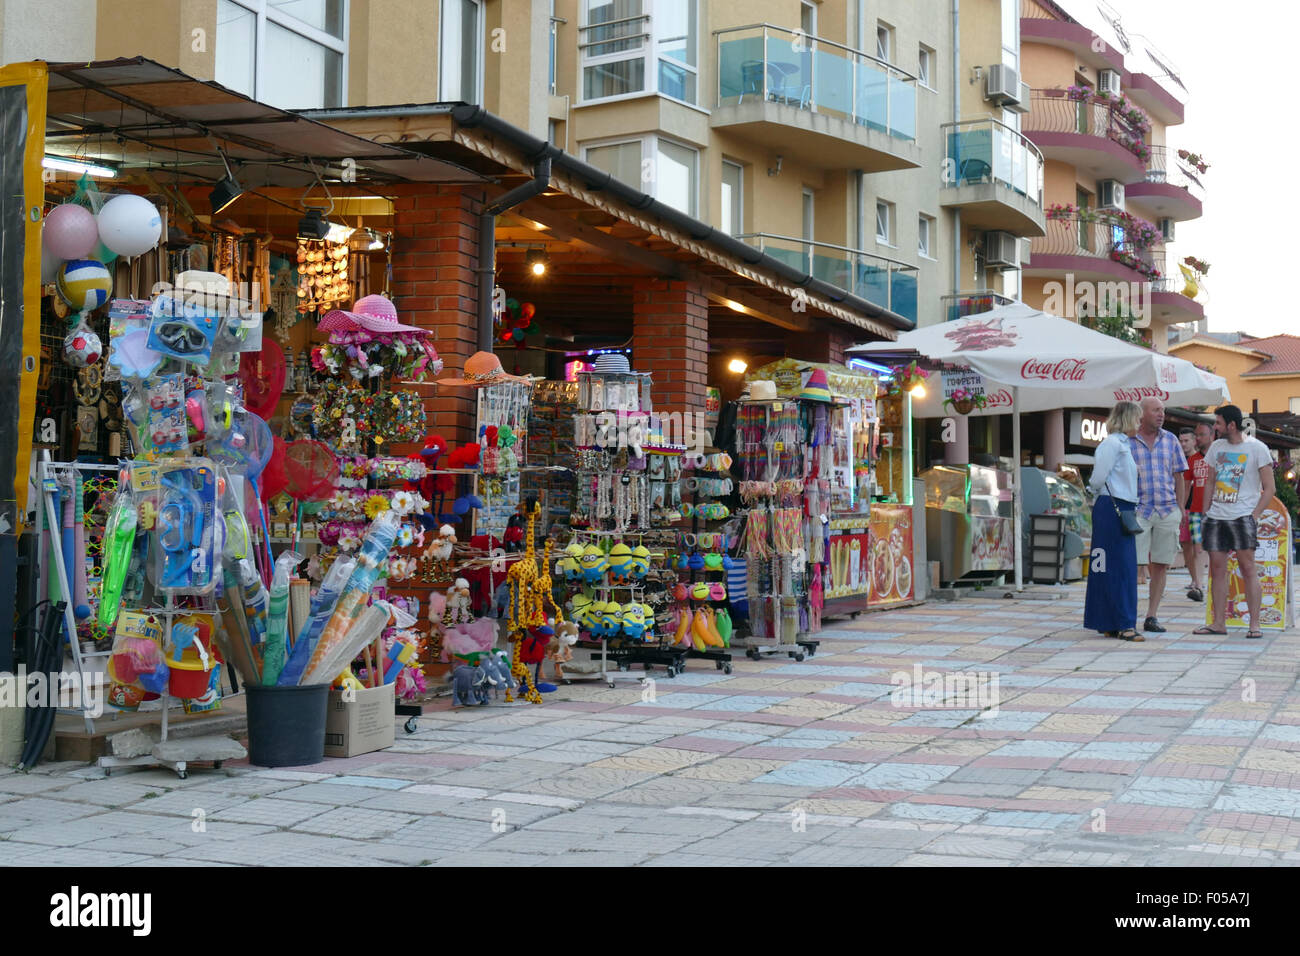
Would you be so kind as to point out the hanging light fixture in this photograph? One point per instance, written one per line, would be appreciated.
(537, 262)
(227, 189)
(376, 240)
(737, 366)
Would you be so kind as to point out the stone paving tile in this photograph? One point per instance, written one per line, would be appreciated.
(35, 811)
(269, 811)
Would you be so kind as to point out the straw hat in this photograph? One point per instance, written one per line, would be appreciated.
(373, 313)
(612, 363)
(483, 368)
(816, 389)
(762, 390)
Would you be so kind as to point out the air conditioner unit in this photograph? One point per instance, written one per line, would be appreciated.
(1001, 250)
(1002, 85)
(1108, 82)
(1167, 229)
(1110, 194)
(1023, 105)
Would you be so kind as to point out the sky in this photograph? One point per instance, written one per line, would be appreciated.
(1238, 118)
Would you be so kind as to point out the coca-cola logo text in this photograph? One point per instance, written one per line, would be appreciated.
(1168, 373)
(1066, 370)
(999, 399)
(1140, 392)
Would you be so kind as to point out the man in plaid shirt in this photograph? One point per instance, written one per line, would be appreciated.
(1161, 463)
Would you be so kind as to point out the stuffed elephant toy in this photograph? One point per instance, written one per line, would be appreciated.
(497, 670)
(467, 680)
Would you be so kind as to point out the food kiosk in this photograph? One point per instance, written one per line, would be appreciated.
(968, 521)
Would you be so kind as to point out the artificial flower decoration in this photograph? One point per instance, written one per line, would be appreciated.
(375, 506)
(340, 501)
(403, 503)
(405, 536)
(349, 541)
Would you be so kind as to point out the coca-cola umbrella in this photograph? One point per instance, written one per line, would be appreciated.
(1032, 361)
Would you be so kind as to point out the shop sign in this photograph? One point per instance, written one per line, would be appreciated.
(1087, 429)
(890, 575)
(849, 565)
(1272, 561)
(972, 382)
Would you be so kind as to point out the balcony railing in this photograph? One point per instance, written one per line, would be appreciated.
(984, 150)
(765, 62)
(961, 304)
(1087, 117)
(882, 281)
(1073, 236)
(1165, 167)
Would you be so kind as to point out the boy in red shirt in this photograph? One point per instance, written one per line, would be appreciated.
(1197, 476)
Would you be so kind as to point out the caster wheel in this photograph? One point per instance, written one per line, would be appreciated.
(216, 764)
(611, 685)
(799, 658)
(726, 668)
(182, 774)
(410, 726)
(717, 665)
(671, 673)
(108, 771)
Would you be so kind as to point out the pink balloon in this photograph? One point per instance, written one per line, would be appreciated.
(70, 231)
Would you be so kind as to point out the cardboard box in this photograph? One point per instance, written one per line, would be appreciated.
(362, 724)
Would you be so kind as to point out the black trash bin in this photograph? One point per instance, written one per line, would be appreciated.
(286, 725)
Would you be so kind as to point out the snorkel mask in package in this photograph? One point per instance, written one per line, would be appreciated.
(188, 539)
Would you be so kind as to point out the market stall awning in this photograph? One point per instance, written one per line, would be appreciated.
(136, 113)
(1052, 362)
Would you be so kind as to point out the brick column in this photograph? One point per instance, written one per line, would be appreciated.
(435, 252)
(822, 345)
(670, 340)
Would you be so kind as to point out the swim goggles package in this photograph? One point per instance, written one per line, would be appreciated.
(188, 532)
(166, 432)
(182, 330)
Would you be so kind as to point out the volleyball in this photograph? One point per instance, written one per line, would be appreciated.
(84, 284)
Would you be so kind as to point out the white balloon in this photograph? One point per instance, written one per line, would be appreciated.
(129, 224)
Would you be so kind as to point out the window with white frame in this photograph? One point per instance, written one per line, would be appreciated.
(460, 51)
(884, 222)
(666, 170)
(924, 65)
(640, 46)
(1011, 33)
(288, 53)
(924, 235)
(884, 41)
(1295, 404)
(733, 203)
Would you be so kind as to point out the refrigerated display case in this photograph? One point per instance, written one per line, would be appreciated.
(1047, 493)
(968, 523)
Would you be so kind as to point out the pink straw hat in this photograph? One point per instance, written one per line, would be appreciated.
(373, 313)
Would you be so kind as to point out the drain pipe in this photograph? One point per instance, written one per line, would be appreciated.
(487, 241)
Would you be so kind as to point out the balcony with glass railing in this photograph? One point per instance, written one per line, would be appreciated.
(880, 280)
(1088, 134)
(960, 305)
(1172, 188)
(995, 175)
(825, 103)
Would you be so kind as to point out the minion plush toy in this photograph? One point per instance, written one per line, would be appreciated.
(594, 564)
(620, 563)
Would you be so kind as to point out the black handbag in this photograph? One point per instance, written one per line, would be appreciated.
(1128, 520)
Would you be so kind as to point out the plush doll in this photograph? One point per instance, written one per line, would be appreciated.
(440, 550)
(634, 620)
(594, 564)
(498, 671)
(457, 610)
(508, 461)
(491, 454)
(466, 456)
(468, 680)
(620, 564)
(560, 652)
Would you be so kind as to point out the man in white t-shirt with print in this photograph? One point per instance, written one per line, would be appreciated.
(1242, 469)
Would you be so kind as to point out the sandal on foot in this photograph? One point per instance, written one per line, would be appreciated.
(1254, 633)
(1131, 635)
(1206, 629)
(1195, 594)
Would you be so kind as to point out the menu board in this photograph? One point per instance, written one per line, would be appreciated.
(849, 565)
(890, 574)
(993, 543)
(1272, 562)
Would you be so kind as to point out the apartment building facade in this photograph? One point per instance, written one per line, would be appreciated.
(854, 137)
(1104, 103)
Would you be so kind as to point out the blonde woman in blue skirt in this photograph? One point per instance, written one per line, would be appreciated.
(1110, 605)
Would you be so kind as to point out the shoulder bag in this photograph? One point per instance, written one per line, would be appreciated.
(1128, 520)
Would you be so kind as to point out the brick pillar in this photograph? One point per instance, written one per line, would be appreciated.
(670, 340)
(435, 252)
(822, 345)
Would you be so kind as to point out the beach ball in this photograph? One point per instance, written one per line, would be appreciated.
(81, 347)
(84, 284)
(70, 231)
(129, 224)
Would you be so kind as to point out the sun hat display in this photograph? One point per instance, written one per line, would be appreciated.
(762, 391)
(612, 363)
(816, 389)
(373, 313)
(483, 368)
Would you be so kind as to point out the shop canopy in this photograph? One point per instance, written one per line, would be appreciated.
(135, 113)
(1045, 362)
(788, 375)
(1030, 360)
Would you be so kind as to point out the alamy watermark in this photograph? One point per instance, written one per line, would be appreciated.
(944, 690)
(55, 688)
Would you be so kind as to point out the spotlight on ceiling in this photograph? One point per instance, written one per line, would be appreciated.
(537, 262)
(227, 189)
(376, 240)
(737, 366)
(313, 225)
